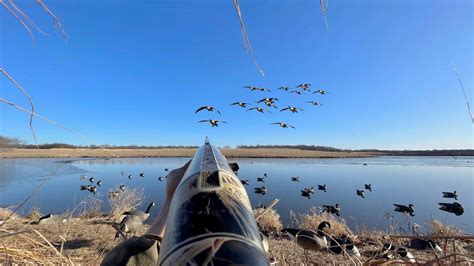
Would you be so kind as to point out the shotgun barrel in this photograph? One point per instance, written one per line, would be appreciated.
(210, 219)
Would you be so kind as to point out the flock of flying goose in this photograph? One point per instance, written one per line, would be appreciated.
(266, 104)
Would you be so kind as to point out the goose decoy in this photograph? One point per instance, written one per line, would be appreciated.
(85, 187)
(285, 88)
(306, 194)
(142, 174)
(450, 195)
(167, 170)
(322, 187)
(368, 187)
(245, 182)
(309, 239)
(401, 251)
(133, 220)
(283, 125)
(309, 190)
(265, 244)
(93, 189)
(44, 219)
(208, 108)
(360, 193)
(258, 109)
(130, 177)
(322, 92)
(424, 244)
(295, 179)
(291, 109)
(241, 104)
(99, 183)
(82, 177)
(214, 123)
(91, 180)
(332, 209)
(338, 245)
(262, 206)
(265, 174)
(314, 103)
(410, 209)
(260, 190)
(160, 178)
(455, 208)
(122, 187)
(261, 179)
(297, 92)
(121, 173)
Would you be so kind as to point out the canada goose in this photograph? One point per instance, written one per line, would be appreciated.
(252, 88)
(130, 177)
(85, 187)
(314, 103)
(309, 239)
(260, 190)
(365, 164)
(214, 123)
(322, 187)
(122, 187)
(121, 173)
(332, 209)
(451, 195)
(160, 178)
(208, 108)
(241, 104)
(401, 251)
(245, 182)
(142, 174)
(261, 179)
(82, 177)
(92, 189)
(360, 193)
(99, 183)
(368, 187)
(285, 88)
(306, 194)
(262, 206)
(133, 220)
(259, 109)
(50, 218)
(265, 174)
(44, 219)
(283, 125)
(291, 109)
(338, 245)
(322, 92)
(422, 244)
(304, 86)
(309, 190)
(166, 169)
(295, 178)
(269, 99)
(91, 180)
(455, 208)
(297, 92)
(410, 209)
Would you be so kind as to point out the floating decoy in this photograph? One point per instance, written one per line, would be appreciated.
(91, 180)
(368, 187)
(133, 221)
(309, 239)
(261, 179)
(285, 88)
(259, 109)
(122, 187)
(260, 190)
(130, 177)
(424, 244)
(252, 88)
(214, 123)
(309, 190)
(99, 183)
(283, 125)
(306, 194)
(360, 193)
(121, 173)
(322, 92)
(410, 209)
(338, 245)
(314, 103)
(241, 104)
(82, 177)
(295, 178)
(322, 187)
(142, 174)
(92, 189)
(245, 182)
(167, 170)
(291, 109)
(160, 178)
(455, 208)
(451, 195)
(297, 92)
(332, 209)
(265, 174)
(208, 108)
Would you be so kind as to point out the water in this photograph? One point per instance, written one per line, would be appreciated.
(404, 180)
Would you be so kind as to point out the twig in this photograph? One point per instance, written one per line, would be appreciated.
(19, 20)
(463, 92)
(17, 9)
(57, 22)
(324, 10)
(51, 245)
(15, 233)
(273, 203)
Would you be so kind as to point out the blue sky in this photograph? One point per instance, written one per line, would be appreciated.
(133, 72)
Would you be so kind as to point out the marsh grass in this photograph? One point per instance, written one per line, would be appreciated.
(127, 200)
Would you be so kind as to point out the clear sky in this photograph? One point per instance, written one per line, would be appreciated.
(133, 72)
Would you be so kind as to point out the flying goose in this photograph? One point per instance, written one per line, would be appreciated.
(322, 187)
(167, 170)
(338, 245)
(314, 103)
(322, 92)
(368, 187)
(451, 195)
(245, 182)
(241, 104)
(332, 209)
(259, 109)
(309, 239)
(306, 194)
(424, 244)
(99, 183)
(283, 125)
(285, 88)
(304, 86)
(214, 123)
(122, 187)
(261, 179)
(360, 193)
(208, 108)
(121, 173)
(87, 187)
(252, 88)
(160, 178)
(92, 189)
(260, 190)
(297, 92)
(91, 180)
(291, 109)
(133, 220)
(269, 99)
(142, 174)
(455, 208)
(295, 178)
(410, 209)
(309, 190)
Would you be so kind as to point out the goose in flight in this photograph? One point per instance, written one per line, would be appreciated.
(360, 193)
(245, 182)
(322, 187)
(295, 179)
(332, 209)
(208, 108)
(297, 92)
(291, 109)
(309, 190)
(368, 187)
(214, 123)
(260, 190)
(322, 92)
(452, 195)
(259, 109)
(314, 103)
(305, 194)
(283, 125)
(252, 88)
(285, 88)
(241, 104)
(304, 85)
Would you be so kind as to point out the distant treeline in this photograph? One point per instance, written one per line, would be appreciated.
(299, 147)
(63, 145)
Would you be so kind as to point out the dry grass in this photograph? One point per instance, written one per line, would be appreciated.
(34, 214)
(269, 222)
(315, 216)
(127, 200)
(177, 152)
(91, 207)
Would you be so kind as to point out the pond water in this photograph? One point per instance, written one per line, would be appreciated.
(404, 180)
